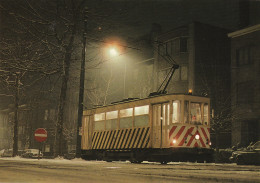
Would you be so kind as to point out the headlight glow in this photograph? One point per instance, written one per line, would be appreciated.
(197, 137)
(174, 141)
(210, 143)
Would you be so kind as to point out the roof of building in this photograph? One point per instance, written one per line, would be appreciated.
(244, 31)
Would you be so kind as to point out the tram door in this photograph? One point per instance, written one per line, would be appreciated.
(86, 133)
(161, 119)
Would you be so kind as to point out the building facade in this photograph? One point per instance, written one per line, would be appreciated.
(203, 54)
(245, 85)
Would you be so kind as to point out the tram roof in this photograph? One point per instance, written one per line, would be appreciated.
(128, 100)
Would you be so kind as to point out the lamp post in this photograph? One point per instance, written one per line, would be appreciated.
(81, 87)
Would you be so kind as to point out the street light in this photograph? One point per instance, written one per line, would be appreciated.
(113, 52)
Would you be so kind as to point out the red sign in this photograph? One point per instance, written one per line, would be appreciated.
(40, 134)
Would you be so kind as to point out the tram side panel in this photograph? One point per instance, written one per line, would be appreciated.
(156, 132)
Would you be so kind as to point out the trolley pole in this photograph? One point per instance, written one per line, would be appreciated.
(81, 85)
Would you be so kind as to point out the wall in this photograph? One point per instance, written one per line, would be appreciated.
(245, 87)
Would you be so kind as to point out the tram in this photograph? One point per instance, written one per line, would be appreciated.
(162, 128)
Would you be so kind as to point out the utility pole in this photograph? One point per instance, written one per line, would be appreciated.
(16, 104)
(81, 85)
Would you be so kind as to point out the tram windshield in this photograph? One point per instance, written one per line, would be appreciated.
(195, 113)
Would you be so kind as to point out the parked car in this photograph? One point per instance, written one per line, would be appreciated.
(70, 155)
(6, 153)
(20, 152)
(32, 153)
(248, 156)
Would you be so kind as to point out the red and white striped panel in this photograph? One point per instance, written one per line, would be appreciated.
(184, 136)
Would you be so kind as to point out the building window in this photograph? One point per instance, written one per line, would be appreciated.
(244, 56)
(183, 44)
(162, 49)
(169, 48)
(174, 46)
(46, 114)
(184, 73)
(245, 92)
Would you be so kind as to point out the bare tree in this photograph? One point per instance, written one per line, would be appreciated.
(19, 61)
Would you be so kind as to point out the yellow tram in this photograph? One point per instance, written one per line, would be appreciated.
(164, 128)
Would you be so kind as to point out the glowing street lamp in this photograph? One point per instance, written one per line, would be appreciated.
(113, 52)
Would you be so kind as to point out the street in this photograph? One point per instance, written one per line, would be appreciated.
(44, 170)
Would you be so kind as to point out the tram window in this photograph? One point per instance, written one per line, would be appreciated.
(195, 111)
(126, 118)
(99, 125)
(141, 117)
(176, 111)
(99, 117)
(142, 120)
(206, 114)
(166, 114)
(111, 120)
(141, 110)
(126, 112)
(126, 122)
(112, 115)
(111, 124)
(186, 111)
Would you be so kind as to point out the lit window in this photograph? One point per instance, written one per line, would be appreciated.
(141, 116)
(206, 114)
(46, 114)
(112, 115)
(126, 112)
(126, 118)
(195, 111)
(99, 117)
(142, 110)
(176, 111)
(111, 120)
(186, 112)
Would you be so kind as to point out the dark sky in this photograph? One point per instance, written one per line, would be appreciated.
(133, 19)
(140, 15)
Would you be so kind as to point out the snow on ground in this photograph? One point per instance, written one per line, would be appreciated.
(61, 160)
(56, 160)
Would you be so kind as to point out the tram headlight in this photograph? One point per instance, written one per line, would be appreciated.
(197, 137)
(210, 143)
(174, 141)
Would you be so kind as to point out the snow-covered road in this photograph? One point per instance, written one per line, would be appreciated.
(60, 170)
